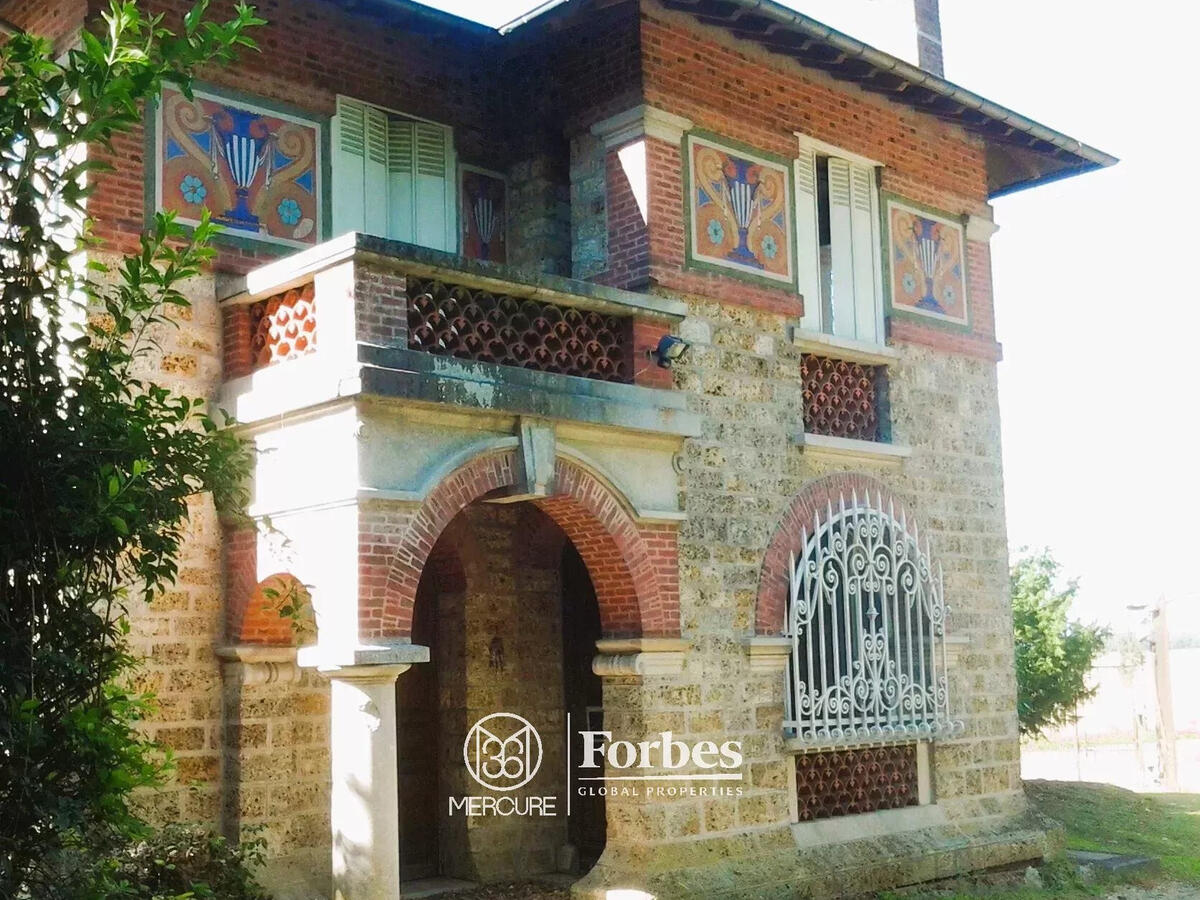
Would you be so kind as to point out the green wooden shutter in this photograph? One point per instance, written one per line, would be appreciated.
(808, 261)
(347, 165)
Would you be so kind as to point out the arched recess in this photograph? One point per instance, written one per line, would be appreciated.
(813, 501)
(633, 567)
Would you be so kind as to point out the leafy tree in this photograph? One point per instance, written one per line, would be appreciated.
(1054, 655)
(98, 460)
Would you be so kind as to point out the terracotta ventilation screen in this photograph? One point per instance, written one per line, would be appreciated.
(840, 398)
(283, 326)
(466, 323)
(845, 782)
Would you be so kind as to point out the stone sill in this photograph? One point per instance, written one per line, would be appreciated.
(878, 824)
(294, 270)
(874, 451)
(844, 348)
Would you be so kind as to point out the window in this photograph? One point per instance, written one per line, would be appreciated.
(837, 229)
(393, 176)
(866, 617)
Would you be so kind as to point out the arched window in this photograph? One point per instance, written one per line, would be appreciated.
(866, 616)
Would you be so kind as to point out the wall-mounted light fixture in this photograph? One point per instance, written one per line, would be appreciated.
(670, 350)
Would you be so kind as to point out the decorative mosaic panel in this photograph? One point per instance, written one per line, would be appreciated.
(283, 326)
(928, 266)
(840, 398)
(257, 172)
(847, 782)
(484, 211)
(451, 320)
(739, 210)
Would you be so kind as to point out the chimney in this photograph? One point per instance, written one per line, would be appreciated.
(929, 36)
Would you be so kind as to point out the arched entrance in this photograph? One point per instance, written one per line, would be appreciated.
(508, 609)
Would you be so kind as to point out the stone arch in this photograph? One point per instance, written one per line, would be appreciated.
(633, 566)
(812, 501)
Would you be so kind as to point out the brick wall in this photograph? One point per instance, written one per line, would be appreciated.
(736, 89)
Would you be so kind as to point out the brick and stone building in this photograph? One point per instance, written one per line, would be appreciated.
(451, 257)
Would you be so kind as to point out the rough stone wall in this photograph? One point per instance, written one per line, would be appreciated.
(740, 477)
(512, 594)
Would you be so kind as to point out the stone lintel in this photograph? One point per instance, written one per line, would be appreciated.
(259, 663)
(639, 657)
(768, 653)
(638, 122)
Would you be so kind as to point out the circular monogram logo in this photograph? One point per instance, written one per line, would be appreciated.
(502, 751)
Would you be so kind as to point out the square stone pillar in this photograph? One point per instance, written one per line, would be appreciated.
(629, 141)
(364, 796)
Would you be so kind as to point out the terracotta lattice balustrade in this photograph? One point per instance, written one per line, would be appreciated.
(283, 326)
(846, 782)
(473, 324)
(841, 398)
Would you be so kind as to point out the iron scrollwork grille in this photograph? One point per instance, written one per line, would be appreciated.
(866, 615)
(474, 324)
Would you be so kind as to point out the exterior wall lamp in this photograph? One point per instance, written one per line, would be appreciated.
(670, 350)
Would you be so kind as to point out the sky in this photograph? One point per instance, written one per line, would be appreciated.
(1096, 307)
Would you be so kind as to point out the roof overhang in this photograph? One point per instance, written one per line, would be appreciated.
(1021, 153)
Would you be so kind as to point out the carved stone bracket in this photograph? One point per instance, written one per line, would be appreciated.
(639, 657)
(535, 461)
(259, 664)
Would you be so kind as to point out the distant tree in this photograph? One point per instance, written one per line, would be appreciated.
(1054, 655)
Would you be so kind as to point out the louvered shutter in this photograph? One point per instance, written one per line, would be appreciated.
(841, 239)
(435, 209)
(864, 215)
(349, 152)
(378, 198)
(400, 183)
(808, 261)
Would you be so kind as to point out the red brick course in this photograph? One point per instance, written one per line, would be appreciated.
(633, 567)
(810, 505)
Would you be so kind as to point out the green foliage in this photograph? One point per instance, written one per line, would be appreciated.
(181, 861)
(1053, 654)
(99, 461)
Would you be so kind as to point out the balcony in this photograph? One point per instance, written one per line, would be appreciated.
(364, 316)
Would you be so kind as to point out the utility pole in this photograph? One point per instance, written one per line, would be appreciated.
(1166, 706)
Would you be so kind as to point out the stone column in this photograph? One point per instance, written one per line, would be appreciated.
(364, 808)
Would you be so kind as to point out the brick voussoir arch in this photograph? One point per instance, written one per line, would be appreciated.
(811, 503)
(629, 565)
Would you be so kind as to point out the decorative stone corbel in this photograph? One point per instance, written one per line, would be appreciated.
(980, 229)
(535, 461)
(768, 653)
(639, 657)
(259, 663)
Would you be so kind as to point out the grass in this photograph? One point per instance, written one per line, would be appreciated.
(1103, 817)
(1095, 817)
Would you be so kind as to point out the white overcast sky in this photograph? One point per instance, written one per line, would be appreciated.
(1096, 291)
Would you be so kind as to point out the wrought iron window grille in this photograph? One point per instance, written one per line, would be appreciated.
(866, 617)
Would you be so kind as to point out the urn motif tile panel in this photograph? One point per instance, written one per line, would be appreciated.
(258, 172)
(484, 212)
(739, 209)
(927, 263)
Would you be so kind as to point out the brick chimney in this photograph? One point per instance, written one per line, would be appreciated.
(929, 36)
